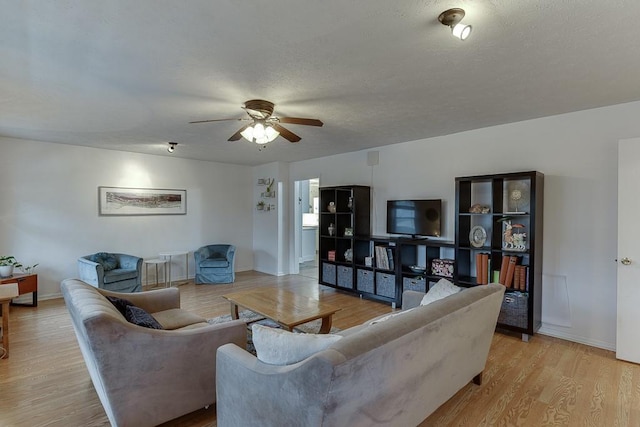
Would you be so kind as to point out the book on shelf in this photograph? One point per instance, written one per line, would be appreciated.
(390, 266)
(503, 269)
(511, 269)
(382, 258)
(483, 268)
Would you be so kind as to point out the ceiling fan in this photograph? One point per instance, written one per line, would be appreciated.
(264, 126)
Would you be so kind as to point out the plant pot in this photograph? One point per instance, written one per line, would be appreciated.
(6, 270)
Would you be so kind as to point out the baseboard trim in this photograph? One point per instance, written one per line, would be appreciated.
(558, 333)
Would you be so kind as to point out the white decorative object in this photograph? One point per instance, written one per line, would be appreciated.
(331, 207)
(440, 290)
(513, 237)
(279, 347)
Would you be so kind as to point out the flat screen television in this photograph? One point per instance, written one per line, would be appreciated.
(414, 217)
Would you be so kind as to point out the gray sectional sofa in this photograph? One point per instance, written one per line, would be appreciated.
(392, 373)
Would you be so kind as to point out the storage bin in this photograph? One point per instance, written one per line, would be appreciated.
(345, 277)
(364, 281)
(414, 284)
(329, 273)
(514, 309)
(386, 284)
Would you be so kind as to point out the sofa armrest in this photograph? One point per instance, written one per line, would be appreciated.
(242, 382)
(173, 371)
(150, 301)
(411, 299)
(90, 272)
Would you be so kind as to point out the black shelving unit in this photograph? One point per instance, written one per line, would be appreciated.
(488, 205)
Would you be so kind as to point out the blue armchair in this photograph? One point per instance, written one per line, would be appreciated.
(215, 264)
(110, 271)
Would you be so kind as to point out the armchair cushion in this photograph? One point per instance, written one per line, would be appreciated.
(119, 274)
(106, 260)
(214, 262)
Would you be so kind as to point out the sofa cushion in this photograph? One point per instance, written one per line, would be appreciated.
(440, 290)
(176, 318)
(214, 262)
(279, 347)
(106, 260)
(140, 317)
(119, 274)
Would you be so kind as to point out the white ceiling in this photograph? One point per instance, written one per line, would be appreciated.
(129, 75)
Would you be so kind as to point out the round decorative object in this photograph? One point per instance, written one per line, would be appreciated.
(332, 207)
(417, 269)
(477, 236)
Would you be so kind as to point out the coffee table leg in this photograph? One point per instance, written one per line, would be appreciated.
(325, 328)
(234, 311)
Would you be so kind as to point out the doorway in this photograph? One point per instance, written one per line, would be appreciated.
(307, 197)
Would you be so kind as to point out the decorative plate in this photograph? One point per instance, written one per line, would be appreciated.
(477, 236)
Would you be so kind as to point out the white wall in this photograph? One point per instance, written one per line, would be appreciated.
(269, 230)
(577, 152)
(49, 207)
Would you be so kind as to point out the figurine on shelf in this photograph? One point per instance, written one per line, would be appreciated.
(350, 204)
(332, 207)
(331, 229)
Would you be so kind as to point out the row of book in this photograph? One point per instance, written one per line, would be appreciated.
(384, 257)
(510, 275)
(513, 275)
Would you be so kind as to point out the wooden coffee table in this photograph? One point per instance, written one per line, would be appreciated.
(284, 307)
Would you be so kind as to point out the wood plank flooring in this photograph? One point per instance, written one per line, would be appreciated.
(544, 382)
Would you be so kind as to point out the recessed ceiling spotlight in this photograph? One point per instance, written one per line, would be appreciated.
(452, 18)
(172, 147)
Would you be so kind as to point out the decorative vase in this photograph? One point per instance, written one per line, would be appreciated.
(6, 270)
(332, 207)
(331, 229)
(350, 204)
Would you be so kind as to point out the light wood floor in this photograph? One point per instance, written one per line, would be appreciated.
(544, 382)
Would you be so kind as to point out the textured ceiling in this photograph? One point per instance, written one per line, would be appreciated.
(130, 75)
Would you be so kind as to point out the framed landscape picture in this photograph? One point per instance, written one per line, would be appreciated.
(119, 201)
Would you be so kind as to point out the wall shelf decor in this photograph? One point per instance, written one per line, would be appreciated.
(265, 204)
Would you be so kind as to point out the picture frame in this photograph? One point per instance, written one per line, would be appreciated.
(124, 201)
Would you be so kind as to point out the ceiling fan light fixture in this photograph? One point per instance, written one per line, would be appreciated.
(248, 133)
(452, 18)
(260, 134)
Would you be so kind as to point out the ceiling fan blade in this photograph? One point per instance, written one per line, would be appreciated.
(286, 133)
(236, 136)
(217, 120)
(300, 121)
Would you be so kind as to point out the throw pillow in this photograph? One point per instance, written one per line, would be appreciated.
(106, 260)
(279, 347)
(440, 290)
(139, 317)
(120, 303)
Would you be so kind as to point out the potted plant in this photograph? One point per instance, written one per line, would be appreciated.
(7, 264)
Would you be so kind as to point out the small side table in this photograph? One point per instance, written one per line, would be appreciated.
(155, 262)
(170, 254)
(7, 292)
(27, 283)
